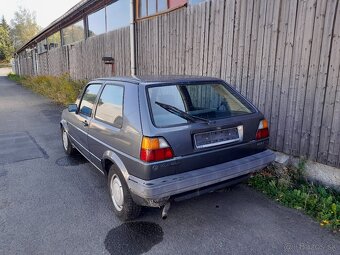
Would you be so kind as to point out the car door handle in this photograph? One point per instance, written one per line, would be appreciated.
(85, 123)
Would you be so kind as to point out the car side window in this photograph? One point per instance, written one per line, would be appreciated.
(89, 98)
(110, 105)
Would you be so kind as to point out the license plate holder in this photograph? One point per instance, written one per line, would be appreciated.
(218, 137)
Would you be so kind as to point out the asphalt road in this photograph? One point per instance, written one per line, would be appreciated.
(51, 204)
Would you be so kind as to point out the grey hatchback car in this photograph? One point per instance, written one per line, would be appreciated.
(158, 139)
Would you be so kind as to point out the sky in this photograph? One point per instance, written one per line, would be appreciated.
(46, 11)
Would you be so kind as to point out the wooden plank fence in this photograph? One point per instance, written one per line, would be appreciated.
(83, 60)
(283, 55)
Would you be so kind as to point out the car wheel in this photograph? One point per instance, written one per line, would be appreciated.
(123, 205)
(68, 148)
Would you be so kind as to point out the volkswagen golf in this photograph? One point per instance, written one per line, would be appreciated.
(158, 139)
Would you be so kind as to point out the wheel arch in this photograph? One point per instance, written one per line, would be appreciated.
(111, 158)
(63, 124)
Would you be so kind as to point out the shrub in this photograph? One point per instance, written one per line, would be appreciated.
(61, 89)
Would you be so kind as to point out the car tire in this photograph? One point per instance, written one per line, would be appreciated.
(123, 205)
(68, 148)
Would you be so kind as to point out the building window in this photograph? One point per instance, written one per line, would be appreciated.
(111, 17)
(96, 23)
(53, 41)
(195, 1)
(118, 15)
(73, 33)
(146, 8)
(110, 106)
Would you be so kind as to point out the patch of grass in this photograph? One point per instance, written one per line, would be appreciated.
(14, 77)
(288, 186)
(61, 89)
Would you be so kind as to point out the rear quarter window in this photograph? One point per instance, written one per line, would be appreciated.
(110, 105)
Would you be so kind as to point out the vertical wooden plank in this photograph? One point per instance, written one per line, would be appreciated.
(290, 75)
(127, 52)
(218, 35)
(196, 41)
(241, 44)
(272, 60)
(227, 39)
(160, 45)
(333, 158)
(312, 76)
(138, 51)
(206, 37)
(147, 48)
(178, 42)
(235, 42)
(164, 45)
(259, 51)
(267, 41)
(148, 67)
(183, 40)
(200, 38)
(212, 28)
(247, 46)
(330, 127)
(321, 79)
(253, 50)
(278, 70)
(189, 41)
(172, 52)
(301, 90)
(141, 48)
(168, 42)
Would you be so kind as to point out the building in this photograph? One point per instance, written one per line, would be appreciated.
(91, 18)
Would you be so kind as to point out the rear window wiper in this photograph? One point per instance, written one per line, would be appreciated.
(181, 113)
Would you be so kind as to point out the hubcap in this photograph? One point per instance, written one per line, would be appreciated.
(117, 194)
(65, 140)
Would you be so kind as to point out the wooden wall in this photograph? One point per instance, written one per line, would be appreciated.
(83, 60)
(284, 55)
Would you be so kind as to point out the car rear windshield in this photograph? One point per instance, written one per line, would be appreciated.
(175, 104)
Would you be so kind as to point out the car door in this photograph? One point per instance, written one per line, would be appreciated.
(105, 128)
(80, 121)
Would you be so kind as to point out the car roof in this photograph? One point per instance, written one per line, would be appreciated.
(159, 79)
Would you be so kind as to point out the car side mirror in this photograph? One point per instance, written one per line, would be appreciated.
(72, 108)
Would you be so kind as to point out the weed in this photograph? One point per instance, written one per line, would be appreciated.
(61, 89)
(14, 77)
(288, 186)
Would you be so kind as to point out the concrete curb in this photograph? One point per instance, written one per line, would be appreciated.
(314, 172)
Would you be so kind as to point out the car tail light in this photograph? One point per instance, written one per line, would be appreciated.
(155, 149)
(262, 131)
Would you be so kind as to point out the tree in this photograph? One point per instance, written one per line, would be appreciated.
(6, 47)
(24, 27)
(4, 23)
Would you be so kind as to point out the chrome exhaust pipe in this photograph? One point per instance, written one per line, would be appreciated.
(165, 210)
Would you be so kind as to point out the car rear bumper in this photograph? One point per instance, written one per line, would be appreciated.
(179, 183)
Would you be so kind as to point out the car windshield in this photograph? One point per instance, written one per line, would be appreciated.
(174, 104)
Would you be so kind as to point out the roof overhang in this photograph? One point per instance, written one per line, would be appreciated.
(75, 14)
